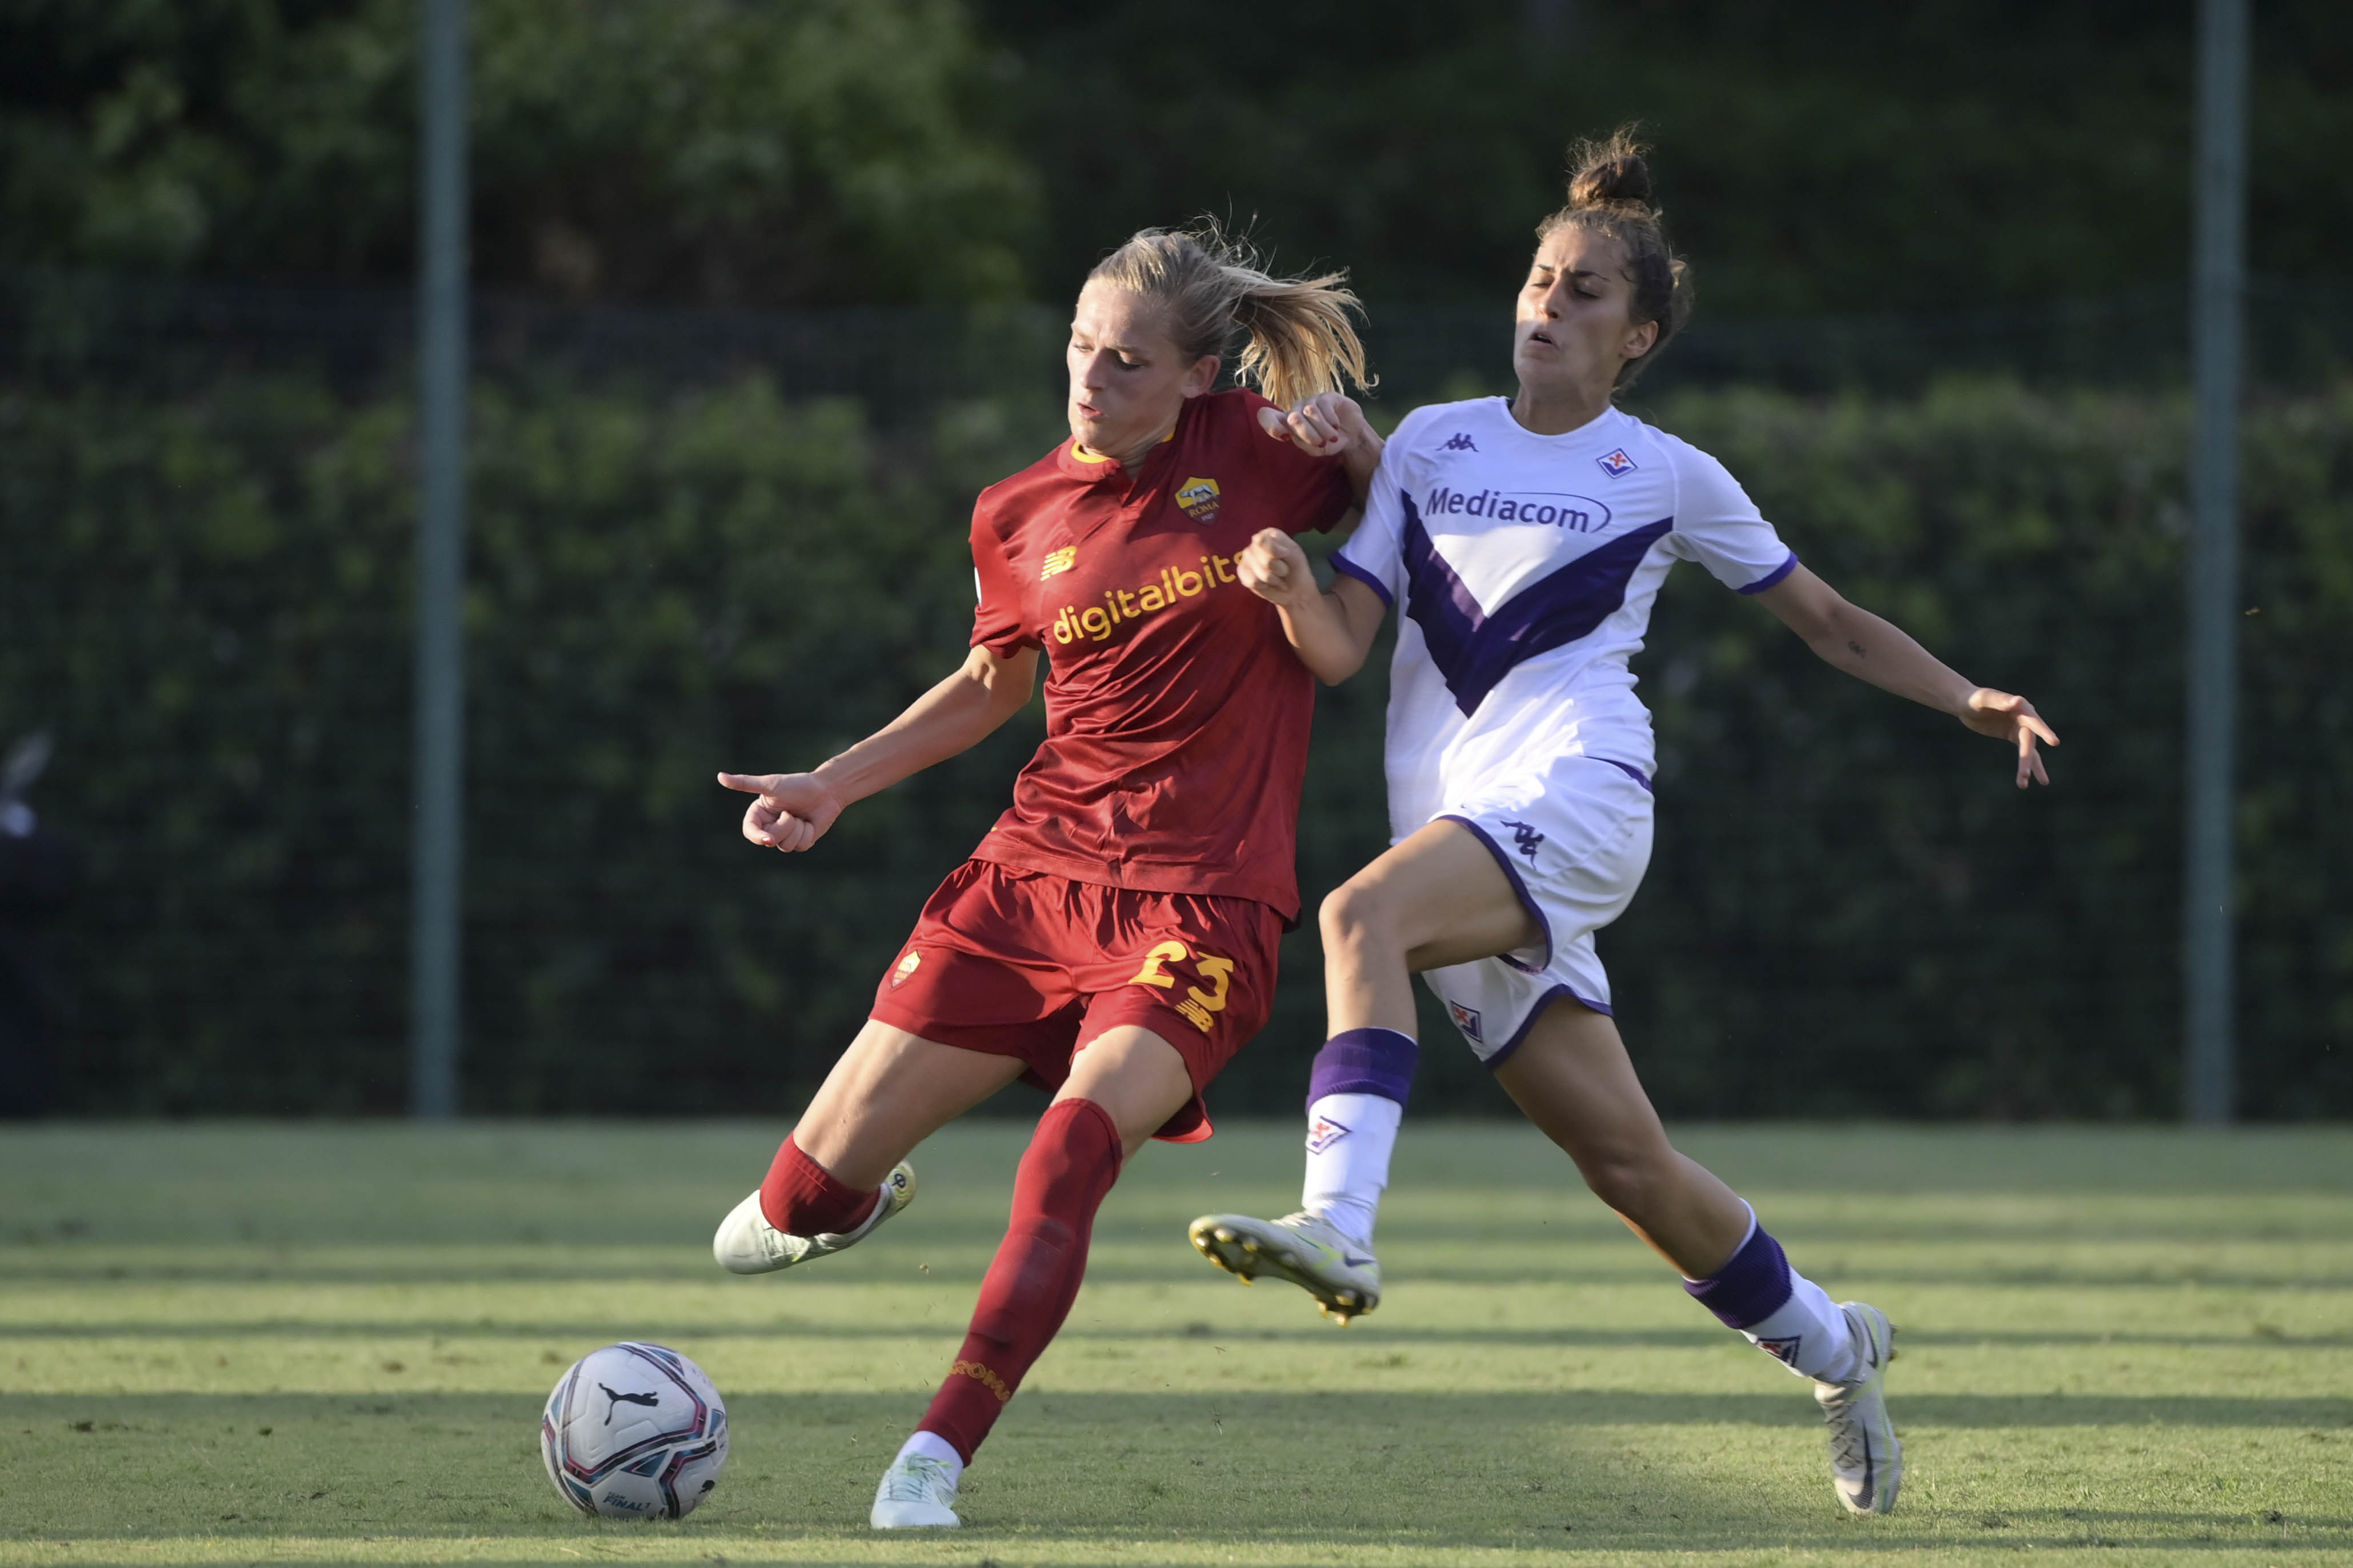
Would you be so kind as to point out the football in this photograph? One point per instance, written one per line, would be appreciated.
(634, 1431)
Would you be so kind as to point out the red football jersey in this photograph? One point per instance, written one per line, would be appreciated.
(1176, 715)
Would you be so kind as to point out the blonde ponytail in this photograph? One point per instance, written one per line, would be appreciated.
(1300, 339)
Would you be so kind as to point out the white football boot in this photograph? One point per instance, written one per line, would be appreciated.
(916, 1493)
(1866, 1461)
(747, 1244)
(1344, 1278)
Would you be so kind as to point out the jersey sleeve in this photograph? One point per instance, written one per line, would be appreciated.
(1310, 494)
(1375, 554)
(1717, 525)
(997, 621)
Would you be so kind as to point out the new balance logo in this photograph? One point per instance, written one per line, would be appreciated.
(1460, 443)
(1059, 562)
(1526, 839)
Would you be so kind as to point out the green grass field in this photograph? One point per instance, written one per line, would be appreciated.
(328, 1343)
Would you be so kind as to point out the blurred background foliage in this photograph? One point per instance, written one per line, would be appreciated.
(1838, 157)
(1851, 909)
(767, 291)
(819, 151)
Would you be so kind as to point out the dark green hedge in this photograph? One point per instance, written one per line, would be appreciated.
(1853, 908)
(1850, 909)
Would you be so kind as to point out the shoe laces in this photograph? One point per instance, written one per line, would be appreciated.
(1319, 1230)
(917, 1478)
(1849, 1443)
(1850, 1424)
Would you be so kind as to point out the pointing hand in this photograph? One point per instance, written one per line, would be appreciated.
(791, 812)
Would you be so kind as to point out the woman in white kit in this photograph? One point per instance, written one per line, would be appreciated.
(1521, 540)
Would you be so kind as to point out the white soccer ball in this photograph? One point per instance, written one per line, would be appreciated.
(634, 1431)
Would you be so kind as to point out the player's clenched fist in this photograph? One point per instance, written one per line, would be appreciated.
(791, 811)
(1275, 569)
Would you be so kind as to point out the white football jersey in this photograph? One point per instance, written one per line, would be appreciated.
(1524, 567)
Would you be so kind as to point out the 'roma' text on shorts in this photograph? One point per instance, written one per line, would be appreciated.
(1032, 965)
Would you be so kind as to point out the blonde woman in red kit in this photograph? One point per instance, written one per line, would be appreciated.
(1112, 938)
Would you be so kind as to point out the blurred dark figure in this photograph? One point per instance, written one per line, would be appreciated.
(38, 870)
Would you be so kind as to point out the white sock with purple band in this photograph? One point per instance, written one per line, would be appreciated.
(1778, 1309)
(1355, 1098)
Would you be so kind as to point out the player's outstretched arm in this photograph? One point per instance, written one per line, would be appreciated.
(1330, 425)
(792, 811)
(1332, 631)
(1874, 649)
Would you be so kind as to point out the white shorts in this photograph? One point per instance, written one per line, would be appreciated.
(1575, 841)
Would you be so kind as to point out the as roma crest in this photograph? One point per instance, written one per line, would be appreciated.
(1200, 500)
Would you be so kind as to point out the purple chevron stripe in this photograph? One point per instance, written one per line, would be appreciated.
(1474, 650)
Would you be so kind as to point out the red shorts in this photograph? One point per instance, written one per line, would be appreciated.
(1022, 964)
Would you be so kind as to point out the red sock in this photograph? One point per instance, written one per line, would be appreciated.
(801, 1197)
(1072, 1160)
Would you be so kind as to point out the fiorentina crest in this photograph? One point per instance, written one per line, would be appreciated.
(1324, 1134)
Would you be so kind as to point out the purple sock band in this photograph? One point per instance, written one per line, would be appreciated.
(1364, 1061)
(1751, 1287)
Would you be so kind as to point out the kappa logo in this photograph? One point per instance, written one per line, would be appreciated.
(1783, 1351)
(1617, 464)
(907, 965)
(1323, 1133)
(1059, 562)
(1460, 443)
(1201, 500)
(1467, 1020)
(1526, 839)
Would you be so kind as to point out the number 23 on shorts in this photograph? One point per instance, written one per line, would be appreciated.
(1199, 1007)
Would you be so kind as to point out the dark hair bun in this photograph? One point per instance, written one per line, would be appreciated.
(1610, 172)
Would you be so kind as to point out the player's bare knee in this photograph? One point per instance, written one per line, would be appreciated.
(1354, 917)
